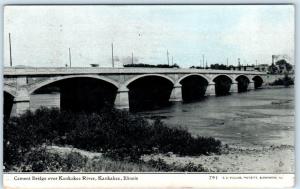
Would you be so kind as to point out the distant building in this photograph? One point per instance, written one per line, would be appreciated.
(94, 65)
(242, 68)
(262, 67)
(249, 68)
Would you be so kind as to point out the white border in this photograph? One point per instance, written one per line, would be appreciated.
(70, 2)
(189, 180)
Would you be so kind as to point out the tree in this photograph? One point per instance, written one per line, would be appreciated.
(272, 69)
(283, 64)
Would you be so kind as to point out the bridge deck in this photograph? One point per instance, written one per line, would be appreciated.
(98, 70)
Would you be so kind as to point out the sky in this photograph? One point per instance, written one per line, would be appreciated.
(42, 35)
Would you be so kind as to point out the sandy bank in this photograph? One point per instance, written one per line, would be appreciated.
(233, 159)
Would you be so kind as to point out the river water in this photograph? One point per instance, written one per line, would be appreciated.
(262, 117)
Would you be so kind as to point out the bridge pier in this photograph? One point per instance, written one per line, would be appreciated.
(21, 102)
(122, 99)
(251, 86)
(176, 95)
(234, 87)
(20, 106)
(210, 90)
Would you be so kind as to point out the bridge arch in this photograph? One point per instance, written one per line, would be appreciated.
(10, 90)
(193, 74)
(55, 79)
(223, 75)
(128, 82)
(193, 86)
(148, 91)
(242, 75)
(258, 81)
(243, 83)
(223, 84)
(74, 93)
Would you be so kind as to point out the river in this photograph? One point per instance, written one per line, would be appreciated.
(261, 117)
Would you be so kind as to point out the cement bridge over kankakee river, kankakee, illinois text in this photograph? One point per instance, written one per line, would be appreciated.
(81, 89)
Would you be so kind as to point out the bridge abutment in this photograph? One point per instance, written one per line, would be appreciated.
(210, 90)
(122, 99)
(176, 94)
(234, 87)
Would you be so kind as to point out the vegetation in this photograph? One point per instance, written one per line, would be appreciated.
(286, 81)
(280, 66)
(220, 67)
(41, 160)
(117, 134)
(198, 67)
(152, 66)
(161, 165)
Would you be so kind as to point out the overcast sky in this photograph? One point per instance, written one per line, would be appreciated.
(41, 35)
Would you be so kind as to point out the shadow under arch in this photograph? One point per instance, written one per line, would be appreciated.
(243, 83)
(148, 92)
(52, 80)
(8, 100)
(222, 84)
(258, 81)
(193, 87)
(79, 93)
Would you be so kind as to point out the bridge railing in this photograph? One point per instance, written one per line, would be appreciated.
(97, 70)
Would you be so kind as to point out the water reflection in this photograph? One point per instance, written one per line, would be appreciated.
(260, 117)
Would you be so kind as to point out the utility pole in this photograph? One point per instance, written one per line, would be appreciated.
(112, 55)
(203, 60)
(10, 56)
(200, 64)
(172, 61)
(132, 58)
(227, 62)
(168, 57)
(70, 59)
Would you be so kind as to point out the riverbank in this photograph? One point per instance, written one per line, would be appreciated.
(120, 136)
(87, 161)
(276, 86)
(257, 127)
(260, 118)
(234, 159)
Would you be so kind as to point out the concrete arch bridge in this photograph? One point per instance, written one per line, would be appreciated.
(90, 88)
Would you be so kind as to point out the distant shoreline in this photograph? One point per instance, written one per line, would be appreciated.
(277, 86)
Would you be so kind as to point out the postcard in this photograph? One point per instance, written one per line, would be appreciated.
(132, 96)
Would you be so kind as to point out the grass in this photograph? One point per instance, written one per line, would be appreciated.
(41, 160)
(286, 81)
(119, 135)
